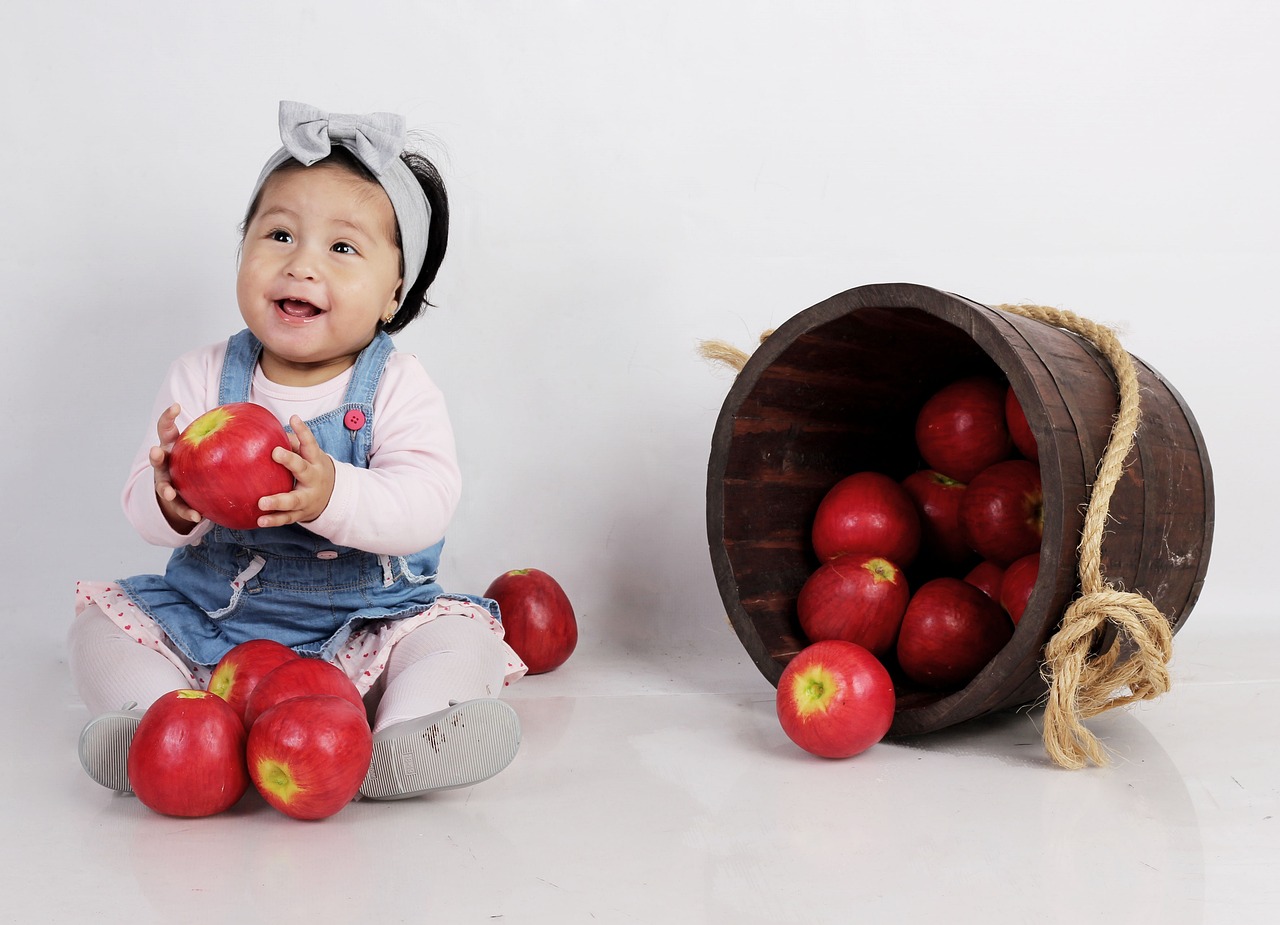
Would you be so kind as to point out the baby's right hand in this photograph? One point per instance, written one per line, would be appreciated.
(180, 515)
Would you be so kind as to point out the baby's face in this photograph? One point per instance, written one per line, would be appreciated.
(320, 268)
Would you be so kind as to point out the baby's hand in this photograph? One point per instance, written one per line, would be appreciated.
(181, 516)
(313, 471)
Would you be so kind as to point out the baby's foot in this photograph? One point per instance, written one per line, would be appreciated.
(104, 747)
(462, 745)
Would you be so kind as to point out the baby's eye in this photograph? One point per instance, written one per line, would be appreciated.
(279, 234)
(342, 247)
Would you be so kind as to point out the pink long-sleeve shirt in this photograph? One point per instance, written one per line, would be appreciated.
(401, 504)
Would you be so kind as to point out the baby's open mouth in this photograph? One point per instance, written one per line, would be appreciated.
(297, 308)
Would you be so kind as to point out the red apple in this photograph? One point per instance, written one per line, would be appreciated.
(856, 597)
(949, 632)
(961, 429)
(536, 616)
(221, 464)
(239, 671)
(187, 755)
(867, 512)
(937, 499)
(1019, 429)
(1002, 513)
(308, 755)
(297, 678)
(1019, 582)
(835, 699)
(987, 577)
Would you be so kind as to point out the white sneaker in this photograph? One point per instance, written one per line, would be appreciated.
(463, 745)
(104, 747)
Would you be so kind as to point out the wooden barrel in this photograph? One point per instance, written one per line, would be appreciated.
(835, 390)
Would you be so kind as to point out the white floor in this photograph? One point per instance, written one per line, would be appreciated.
(657, 787)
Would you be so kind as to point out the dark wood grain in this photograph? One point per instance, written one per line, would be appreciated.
(835, 391)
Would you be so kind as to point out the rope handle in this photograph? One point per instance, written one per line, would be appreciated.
(1082, 685)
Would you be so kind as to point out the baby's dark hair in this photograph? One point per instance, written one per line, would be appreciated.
(413, 302)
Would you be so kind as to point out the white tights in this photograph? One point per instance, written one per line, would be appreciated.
(452, 658)
(111, 669)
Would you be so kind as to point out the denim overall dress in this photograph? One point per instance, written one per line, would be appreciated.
(286, 583)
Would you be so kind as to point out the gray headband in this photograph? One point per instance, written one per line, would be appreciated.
(376, 140)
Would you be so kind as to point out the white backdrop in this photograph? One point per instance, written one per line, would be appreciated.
(628, 178)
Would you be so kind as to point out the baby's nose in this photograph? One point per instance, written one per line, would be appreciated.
(301, 265)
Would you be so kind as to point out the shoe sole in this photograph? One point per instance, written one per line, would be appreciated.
(463, 745)
(104, 749)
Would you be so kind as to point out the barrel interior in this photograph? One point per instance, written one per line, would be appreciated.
(841, 398)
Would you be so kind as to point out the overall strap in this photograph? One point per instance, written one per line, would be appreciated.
(368, 371)
(243, 350)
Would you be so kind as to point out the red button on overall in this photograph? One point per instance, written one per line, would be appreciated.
(354, 419)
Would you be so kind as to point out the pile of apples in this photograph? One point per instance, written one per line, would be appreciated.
(967, 525)
(296, 727)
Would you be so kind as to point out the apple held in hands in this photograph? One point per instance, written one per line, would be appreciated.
(187, 755)
(950, 631)
(297, 678)
(856, 597)
(537, 617)
(309, 755)
(239, 671)
(867, 512)
(961, 428)
(835, 699)
(1002, 513)
(221, 464)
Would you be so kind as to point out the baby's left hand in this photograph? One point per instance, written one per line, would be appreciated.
(313, 472)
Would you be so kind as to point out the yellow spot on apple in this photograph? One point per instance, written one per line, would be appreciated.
(275, 776)
(813, 689)
(208, 423)
(222, 680)
(192, 695)
(881, 569)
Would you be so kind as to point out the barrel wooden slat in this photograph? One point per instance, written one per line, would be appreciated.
(835, 390)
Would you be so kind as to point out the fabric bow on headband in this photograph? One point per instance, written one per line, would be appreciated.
(308, 134)
(376, 140)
